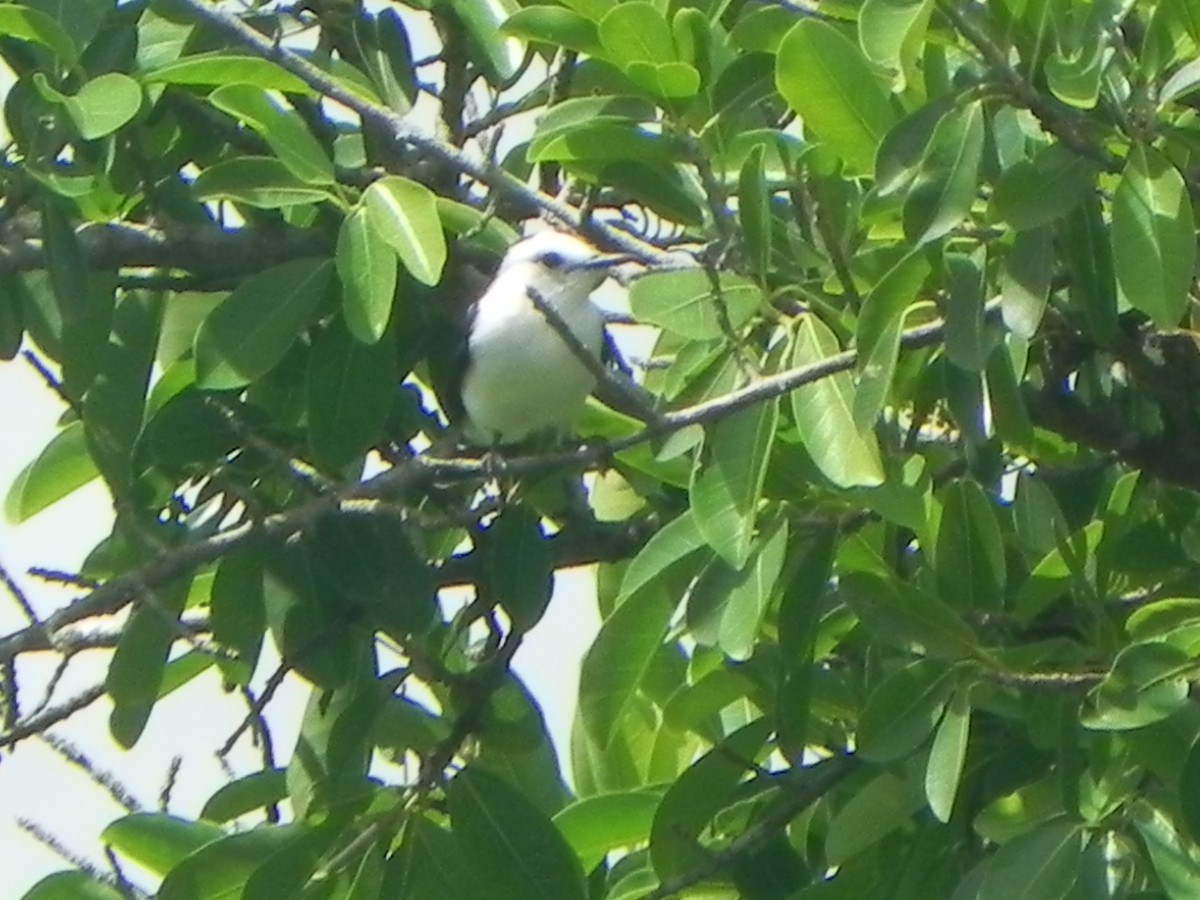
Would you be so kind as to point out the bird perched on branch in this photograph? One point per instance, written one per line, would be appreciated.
(534, 339)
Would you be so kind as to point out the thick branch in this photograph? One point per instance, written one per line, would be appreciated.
(206, 249)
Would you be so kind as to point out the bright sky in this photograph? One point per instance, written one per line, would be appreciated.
(36, 784)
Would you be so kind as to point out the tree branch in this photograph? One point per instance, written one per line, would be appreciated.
(403, 129)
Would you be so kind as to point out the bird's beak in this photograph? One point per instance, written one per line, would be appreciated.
(607, 261)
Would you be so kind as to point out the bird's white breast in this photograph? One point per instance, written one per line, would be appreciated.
(523, 378)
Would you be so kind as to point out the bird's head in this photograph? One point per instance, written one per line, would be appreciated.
(553, 258)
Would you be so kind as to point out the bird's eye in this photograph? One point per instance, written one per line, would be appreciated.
(554, 260)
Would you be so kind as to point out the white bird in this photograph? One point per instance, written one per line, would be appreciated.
(521, 377)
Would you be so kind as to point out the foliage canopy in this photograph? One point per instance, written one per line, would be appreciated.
(899, 570)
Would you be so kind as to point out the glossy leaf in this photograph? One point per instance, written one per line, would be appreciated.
(404, 213)
(554, 25)
(104, 105)
(62, 467)
(1147, 683)
(221, 68)
(726, 488)
(500, 55)
(245, 795)
(260, 181)
(252, 329)
(684, 302)
(281, 127)
(890, 33)
(824, 77)
(595, 826)
(158, 841)
(618, 659)
(367, 267)
(26, 24)
(1153, 237)
(946, 183)
(1025, 281)
(824, 413)
(73, 885)
(946, 757)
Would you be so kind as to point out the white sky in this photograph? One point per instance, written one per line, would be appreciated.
(36, 784)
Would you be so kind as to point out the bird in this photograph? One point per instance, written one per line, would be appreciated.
(520, 377)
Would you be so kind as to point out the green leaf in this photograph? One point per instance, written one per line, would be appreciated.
(751, 595)
(600, 141)
(500, 55)
(158, 842)
(1146, 684)
(26, 24)
(428, 865)
(824, 77)
(636, 31)
(135, 675)
(510, 845)
(261, 181)
(672, 80)
(1153, 237)
(597, 825)
(618, 660)
(1036, 192)
(891, 32)
(1025, 281)
(683, 302)
(946, 757)
(114, 404)
(369, 564)
(554, 25)
(104, 104)
(824, 414)
(1089, 255)
(387, 57)
(970, 549)
(670, 544)
(405, 214)
(367, 267)
(254, 327)
(280, 126)
(948, 178)
(698, 795)
(879, 807)
(754, 212)
(65, 262)
(221, 68)
(349, 389)
(72, 885)
(903, 711)
(728, 481)
(1173, 857)
(1041, 864)
(221, 869)
(245, 795)
(236, 609)
(877, 335)
(900, 614)
(64, 466)
(519, 566)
